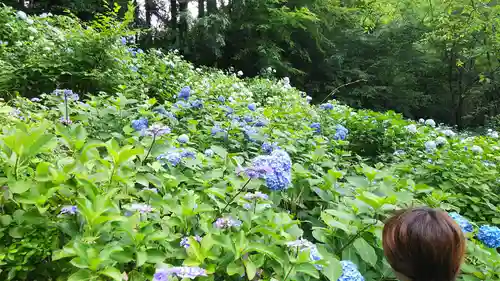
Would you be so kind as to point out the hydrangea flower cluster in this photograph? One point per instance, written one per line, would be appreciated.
(181, 272)
(412, 128)
(489, 235)
(275, 169)
(142, 208)
(267, 148)
(430, 122)
(66, 94)
(476, 149)
(252, 106)
(140, 125)
(326, 106)
(440, 141)
(175, 156)
(464, 224)
(184, 93)
(449, 133)
(303, 245)
(183, 138)
(256, 196)
(216, 130)
(209, 153)
(492, 134)
(341, 133)
(430, 146)
(316, 127)
(157, 130)
(350, 272)
(227, 222)
(69, 210)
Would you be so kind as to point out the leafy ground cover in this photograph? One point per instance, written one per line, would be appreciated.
(182, 172)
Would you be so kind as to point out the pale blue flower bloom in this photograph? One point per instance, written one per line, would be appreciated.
(183, 138)
(350, 272)
(252, 106)
(464, 224)
(184, 93)
(70, 210)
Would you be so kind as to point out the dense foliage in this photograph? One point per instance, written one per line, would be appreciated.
(164, 170)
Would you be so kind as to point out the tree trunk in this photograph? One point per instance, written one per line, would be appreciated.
(183, 25)
(211, 6)
(148, 5)
(201, 8)
(173, 14)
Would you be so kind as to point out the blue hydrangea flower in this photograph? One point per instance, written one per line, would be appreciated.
(184, 93)
(185, 242)
(350, 272)
(173, 157)
(134, 68)
(275, 169)
(267, 148)
(252, 106)
(490, 236)
(140, 124)
(182, 104)
(326, 106)
(123, 40)
(249, 132)
(464, 224)
(209, 153)
(248, 118)
(430, 146)
(316, 127)
(70, 210)
(341, 133)
(183, 138)
(247, 206)
(227, 222)
(197, 104)
(221, 99)
(260, 123)
(188, 154)
(67, 94)
(36, 99)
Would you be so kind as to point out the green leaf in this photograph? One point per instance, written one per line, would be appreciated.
(365, 251)
(250, 269)
(80, 275)
(113, 273)
(272, 251)
(20, 186)
(142, 256)
(219, 151)
(333, 270)
(234, 268)
(5, 220)
(308, 269)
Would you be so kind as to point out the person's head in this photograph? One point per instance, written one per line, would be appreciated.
(424, 244)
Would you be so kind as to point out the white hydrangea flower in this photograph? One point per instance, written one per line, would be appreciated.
(476, 149)
(421, 120)
(430, 122)
(430, 146)
(441, 141)
(412, 128)
(449, 133)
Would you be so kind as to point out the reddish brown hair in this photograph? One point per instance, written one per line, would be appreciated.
(424, 244)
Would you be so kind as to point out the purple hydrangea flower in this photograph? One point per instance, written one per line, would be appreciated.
(275, 169)
(123, 40)
(70, 210)
(67, 94)
(257, 195)
(185, 242)
(248, 118)
(227, 222)
(260, 123)
(140, 124)
(184, 93)
(216, 129)
(181, 272)
(65, 121)
(221, 99)
(188, 154)
(252, 106)
(157, 130)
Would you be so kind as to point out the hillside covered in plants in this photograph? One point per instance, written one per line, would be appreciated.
(136, 165)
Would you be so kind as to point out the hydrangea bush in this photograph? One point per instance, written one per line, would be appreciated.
(187, 173)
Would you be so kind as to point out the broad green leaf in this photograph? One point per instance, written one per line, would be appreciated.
(235, 268)
(219, 151)
(308, 269)
(141, 257)
(365, 251)
(20, 186)
(250, 269)
(113, 273)
(333, 270)
(272, 251)
(81, 275)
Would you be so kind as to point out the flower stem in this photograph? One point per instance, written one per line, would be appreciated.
(150, 148)
(67, 108)
(236, 195)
